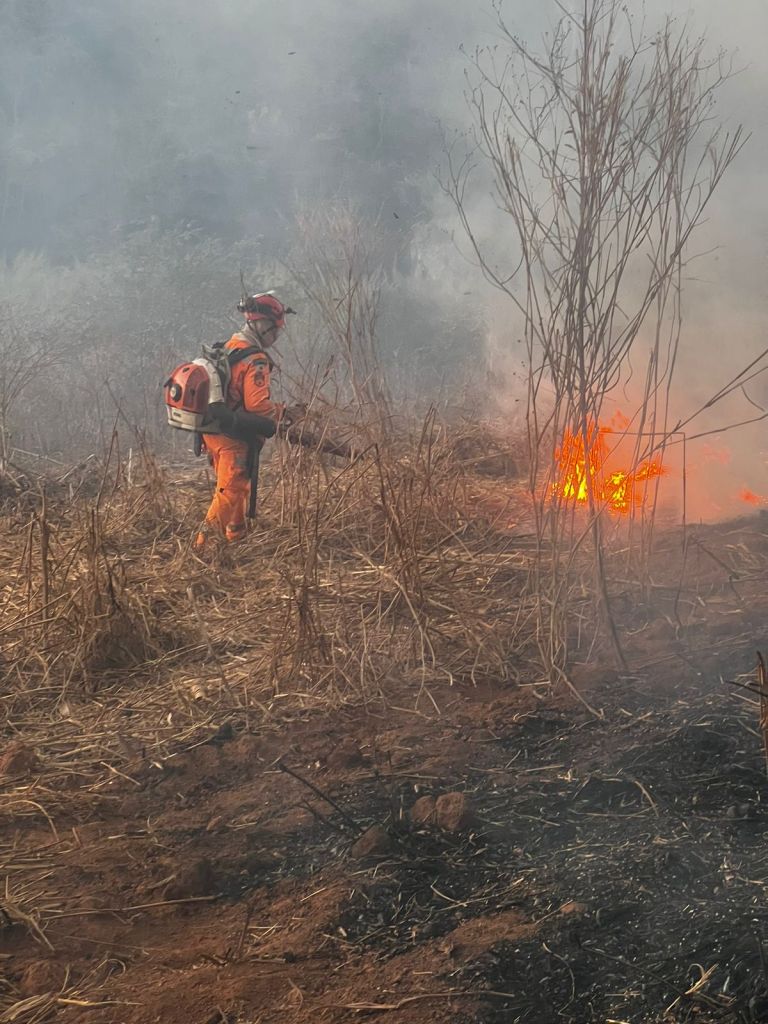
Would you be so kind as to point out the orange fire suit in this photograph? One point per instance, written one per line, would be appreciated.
(248, 390)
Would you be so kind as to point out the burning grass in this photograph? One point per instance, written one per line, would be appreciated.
(591, 463)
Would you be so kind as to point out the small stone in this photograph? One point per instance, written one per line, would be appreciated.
(192, 880)
(423, 811)
(18, 759)
(573, 907)
(454, 812)
(374, 842)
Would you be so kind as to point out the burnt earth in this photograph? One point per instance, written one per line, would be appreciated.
(611, 869)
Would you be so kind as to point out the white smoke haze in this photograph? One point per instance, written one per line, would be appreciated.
(141, 143)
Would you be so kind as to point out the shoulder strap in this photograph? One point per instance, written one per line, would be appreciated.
(236, 356)
(239, 354)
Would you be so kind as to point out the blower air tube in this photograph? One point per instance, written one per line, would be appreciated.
(250, 424)
(241, 425)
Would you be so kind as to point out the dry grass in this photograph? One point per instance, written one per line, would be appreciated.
(120, 645)
(363, 579)
(403, 570)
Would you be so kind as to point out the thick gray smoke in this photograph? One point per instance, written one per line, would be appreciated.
(216, 116)
(141, 143)
(222, 117)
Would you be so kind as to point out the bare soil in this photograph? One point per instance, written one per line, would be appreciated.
(608, 868)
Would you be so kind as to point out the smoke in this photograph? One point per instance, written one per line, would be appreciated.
(209, 124)
(216, 116)
(724, 298)
(725, 308)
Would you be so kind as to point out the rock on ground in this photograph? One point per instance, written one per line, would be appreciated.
(374, 842)
(454, 812)
(423, 811)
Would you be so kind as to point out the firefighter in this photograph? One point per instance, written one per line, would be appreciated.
(231, 453)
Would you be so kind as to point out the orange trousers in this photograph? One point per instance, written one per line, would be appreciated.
(227, 510)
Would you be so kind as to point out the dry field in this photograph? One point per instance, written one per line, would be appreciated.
(320, 777)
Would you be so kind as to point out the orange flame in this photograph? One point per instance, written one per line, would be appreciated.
(618, 490)
(751, 498)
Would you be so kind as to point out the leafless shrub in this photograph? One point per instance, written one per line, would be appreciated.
(604, 160)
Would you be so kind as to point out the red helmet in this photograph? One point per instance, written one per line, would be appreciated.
(264, 307)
